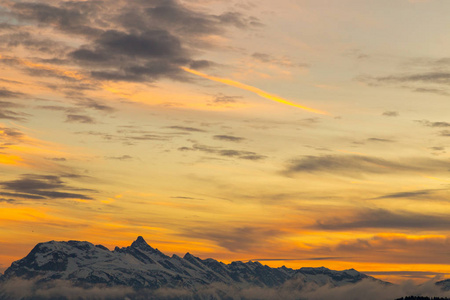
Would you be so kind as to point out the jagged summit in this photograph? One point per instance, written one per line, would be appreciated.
(140, 242)
(141, 266)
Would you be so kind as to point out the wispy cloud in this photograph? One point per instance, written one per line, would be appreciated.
(255, 90)
(34, 186)
(382, 218)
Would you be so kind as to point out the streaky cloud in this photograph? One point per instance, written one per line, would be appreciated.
(253, 89)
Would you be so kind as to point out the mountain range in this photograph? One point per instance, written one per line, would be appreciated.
(141, 267)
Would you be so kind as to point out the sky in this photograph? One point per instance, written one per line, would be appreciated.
(303, 133)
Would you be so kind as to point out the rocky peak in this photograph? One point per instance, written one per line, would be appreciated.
(141, 244)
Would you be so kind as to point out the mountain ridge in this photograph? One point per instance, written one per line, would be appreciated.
(142, 267)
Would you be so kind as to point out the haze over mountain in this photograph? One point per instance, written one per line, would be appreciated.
(142, 271)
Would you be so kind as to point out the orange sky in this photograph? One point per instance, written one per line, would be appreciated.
(305, 133)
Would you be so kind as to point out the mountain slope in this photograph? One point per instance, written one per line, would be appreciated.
(141, 266)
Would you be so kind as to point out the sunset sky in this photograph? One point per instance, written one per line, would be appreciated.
(295, 132)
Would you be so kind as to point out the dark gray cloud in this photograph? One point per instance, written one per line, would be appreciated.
(34, 186)
(428, 77)
(6, 104)
(444, 133)
(32, 42)
(12, 115)
(380, 140)
(79, 119)
(395, 249)
(185, 128)
(300, 259)
(11, 133)
(127, 136)
(228, 138)
(222, 99)
(437, 148)
(381, 218)
(433, 124)
(59, 159)
(412, 194)
(307, 122)
(390, 113)
(200, 64)
(123, 157)
(20, 195)
(71, 17)
(434, 79)
(248, 155)
(235, 239)
(95, 105)
(358, 165)
(415, 274)
(5, 93)
(7, 108)
(9, 201)
(69, 110)
(185, 198)
(431, 91)
(131, 41)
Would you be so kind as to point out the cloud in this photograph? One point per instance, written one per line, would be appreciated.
(393, 248)
(228, 138)
(9, 201)
(134, 41)
(380, 140)
(59, 289)
(435, 80)
(433, 124)
(34, 186)
(357, 165)
(5, 93)
(413, 194)
(127, 136)
(291, 290)
(255, 90)
(12, 115)
(59, 108)
(11, 133)
(93, 104)
(280, 61)
(79, 119)
(382, 218)
(390, 113)
(437, 148)
(185, 128)
(428, 77)
(56, 158)
(248, 155)
(123, 157)
(300, 259)
(431, 91)
(444, 133)
(235, 239)
(69, 17)
(415, 274)
(225, 100)
(6, 107)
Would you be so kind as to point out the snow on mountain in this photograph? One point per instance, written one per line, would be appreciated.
(141, 266)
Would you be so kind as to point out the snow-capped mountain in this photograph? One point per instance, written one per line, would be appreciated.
(444, 284)
(141, 266)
